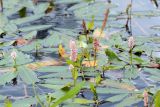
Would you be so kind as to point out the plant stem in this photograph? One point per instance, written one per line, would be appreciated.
(131, 57)
(74, 82)
(81, 70)
(95, 57)
(25, 90)
(104, 21)
(37, 97)
(130, 17)
(37, 50)
(15, 64)
(103, 71)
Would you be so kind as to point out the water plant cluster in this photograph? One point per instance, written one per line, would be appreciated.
(98, 63)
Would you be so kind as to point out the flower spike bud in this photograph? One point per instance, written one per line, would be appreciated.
(13, 55)
(131, 42)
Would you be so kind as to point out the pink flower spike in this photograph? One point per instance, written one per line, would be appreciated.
(96, 44)
(73, 55)
(145, 100)
(13, 54)
(72, 44)
(131, 42)
(73, 48)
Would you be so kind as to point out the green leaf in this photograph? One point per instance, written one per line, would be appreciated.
(93, 89)
(53, 69)
(112, 91)
(67, 1)
(51, 86)
(7, 77)
(85, 11)
(157, 99)
(129, 101)
(30, 35)
(91, 24)
(116, 98)
(52, 40)
(34, 27)
(66, 87)
(75, 105)
(131, 72)
(2, 97)
(26, 102)
(27, 19)
(22, 12)
(69, 94)
(111, 55)
(82, 101)
(117, 84)
(74, 73)
(27, 75)
(113, 67)
(40, 8)
(7, 103)
(58, 81)
(98, 79)
(10, 28)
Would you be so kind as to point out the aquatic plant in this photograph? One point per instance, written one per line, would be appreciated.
(118, 68)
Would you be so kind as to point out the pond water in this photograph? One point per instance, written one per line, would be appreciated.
(62, 18)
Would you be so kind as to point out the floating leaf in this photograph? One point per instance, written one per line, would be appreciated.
(131, 72)
(26, 19)
(34, 27)
(117, 84)
(129, 101)
(82, 101)
(7, 77)
(116, 98)
(27, 75)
